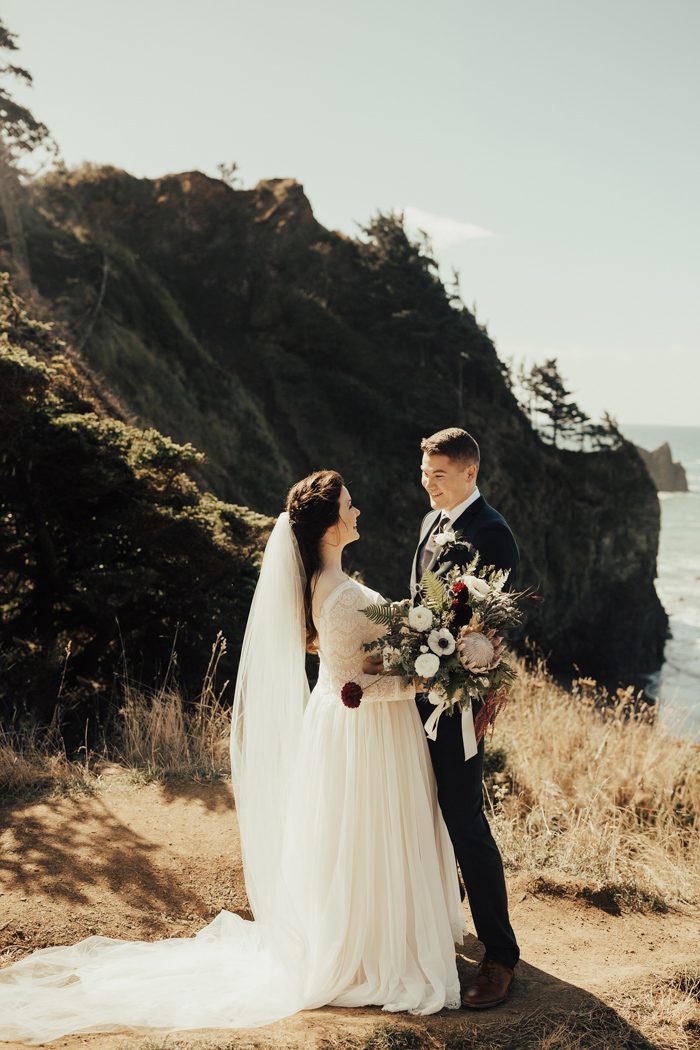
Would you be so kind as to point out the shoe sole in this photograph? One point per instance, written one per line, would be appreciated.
(483, 1006)
(487, 1006)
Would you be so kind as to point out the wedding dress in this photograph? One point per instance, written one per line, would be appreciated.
(348, 864)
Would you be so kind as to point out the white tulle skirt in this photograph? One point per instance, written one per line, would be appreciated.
(369, 913)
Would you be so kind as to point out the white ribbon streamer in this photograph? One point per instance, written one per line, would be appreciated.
(431, 725)
(468, 734)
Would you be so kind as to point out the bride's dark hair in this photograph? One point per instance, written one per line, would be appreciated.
(313, 505)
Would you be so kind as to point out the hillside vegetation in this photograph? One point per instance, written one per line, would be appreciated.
(109, 552)
(232, 320)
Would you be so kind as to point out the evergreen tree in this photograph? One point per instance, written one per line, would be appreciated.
(20, 134)
(105, 541)
(611, 429)
(229, 174)
(552, 399)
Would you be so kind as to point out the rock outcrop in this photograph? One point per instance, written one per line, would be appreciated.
(233, 320)
(667, 475)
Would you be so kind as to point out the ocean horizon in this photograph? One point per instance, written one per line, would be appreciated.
(676, 686)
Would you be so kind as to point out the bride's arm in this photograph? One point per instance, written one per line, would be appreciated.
(346, 629)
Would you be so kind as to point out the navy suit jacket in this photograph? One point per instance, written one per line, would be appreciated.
(484, 529)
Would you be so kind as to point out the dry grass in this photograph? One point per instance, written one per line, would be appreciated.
(666, 1011)
(34, 762)
(596, 793)
(594, 802)
(155, 735)
(162, 737)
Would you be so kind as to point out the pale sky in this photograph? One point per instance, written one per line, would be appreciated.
(550, 147)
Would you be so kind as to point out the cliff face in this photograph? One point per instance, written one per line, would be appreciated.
(233, 320)
(667, 475)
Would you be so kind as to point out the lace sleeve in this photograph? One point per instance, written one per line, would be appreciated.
(343, 631)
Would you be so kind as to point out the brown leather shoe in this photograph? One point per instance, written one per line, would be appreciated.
(490, 986)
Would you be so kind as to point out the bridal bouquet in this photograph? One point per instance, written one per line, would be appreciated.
(452, 640)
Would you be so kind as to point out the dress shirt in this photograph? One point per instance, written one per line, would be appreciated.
(451, 515)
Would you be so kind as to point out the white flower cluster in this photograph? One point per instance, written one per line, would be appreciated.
(439, 640)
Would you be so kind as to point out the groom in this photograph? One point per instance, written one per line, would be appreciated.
(448, 472)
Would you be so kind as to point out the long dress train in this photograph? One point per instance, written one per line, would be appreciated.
(368, 905)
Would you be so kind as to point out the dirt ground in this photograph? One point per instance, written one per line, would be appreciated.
(149, 861)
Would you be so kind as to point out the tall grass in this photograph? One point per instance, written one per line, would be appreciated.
(154, 733)
(586, 794)
(34, 762)
(164, 737)
(594, 789)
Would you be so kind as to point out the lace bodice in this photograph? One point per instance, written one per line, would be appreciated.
(342, 631)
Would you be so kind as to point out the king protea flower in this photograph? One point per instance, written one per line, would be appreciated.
(478, 651)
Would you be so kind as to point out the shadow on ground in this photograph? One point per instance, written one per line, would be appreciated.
(104, 863)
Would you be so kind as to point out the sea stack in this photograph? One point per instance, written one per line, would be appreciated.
(666, 475)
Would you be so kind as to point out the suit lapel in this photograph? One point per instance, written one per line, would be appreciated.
(428, 526)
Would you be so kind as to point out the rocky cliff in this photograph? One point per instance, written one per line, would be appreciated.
(233, 320)
(667, 475)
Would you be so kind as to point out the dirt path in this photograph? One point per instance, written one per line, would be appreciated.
(153, 861)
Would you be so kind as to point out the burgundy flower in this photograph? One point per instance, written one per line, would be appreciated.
(351, 694)
(461, 608)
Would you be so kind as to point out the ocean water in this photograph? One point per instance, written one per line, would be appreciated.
(677, 685)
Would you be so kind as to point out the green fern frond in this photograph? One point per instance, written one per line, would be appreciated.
(380, 613)
(433, 591)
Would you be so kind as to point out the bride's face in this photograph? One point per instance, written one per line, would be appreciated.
(345, 529)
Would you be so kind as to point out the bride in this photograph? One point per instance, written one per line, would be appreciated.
(348, 865)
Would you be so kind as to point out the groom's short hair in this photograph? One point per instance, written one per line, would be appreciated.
(454, 443)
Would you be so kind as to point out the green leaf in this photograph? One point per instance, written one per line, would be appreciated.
(433, 591)
(380, 613)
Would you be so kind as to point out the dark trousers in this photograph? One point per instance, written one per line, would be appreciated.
(460, 794)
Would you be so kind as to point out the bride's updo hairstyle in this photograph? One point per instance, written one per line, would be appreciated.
(313, 505)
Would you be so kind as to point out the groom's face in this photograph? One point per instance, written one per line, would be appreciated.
(447, 481)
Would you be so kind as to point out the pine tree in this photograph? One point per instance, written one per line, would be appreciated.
(551, 398)
(20, 134)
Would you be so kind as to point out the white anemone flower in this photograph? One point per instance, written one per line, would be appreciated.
(441, 642)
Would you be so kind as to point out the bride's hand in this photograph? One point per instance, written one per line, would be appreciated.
(373, 663)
